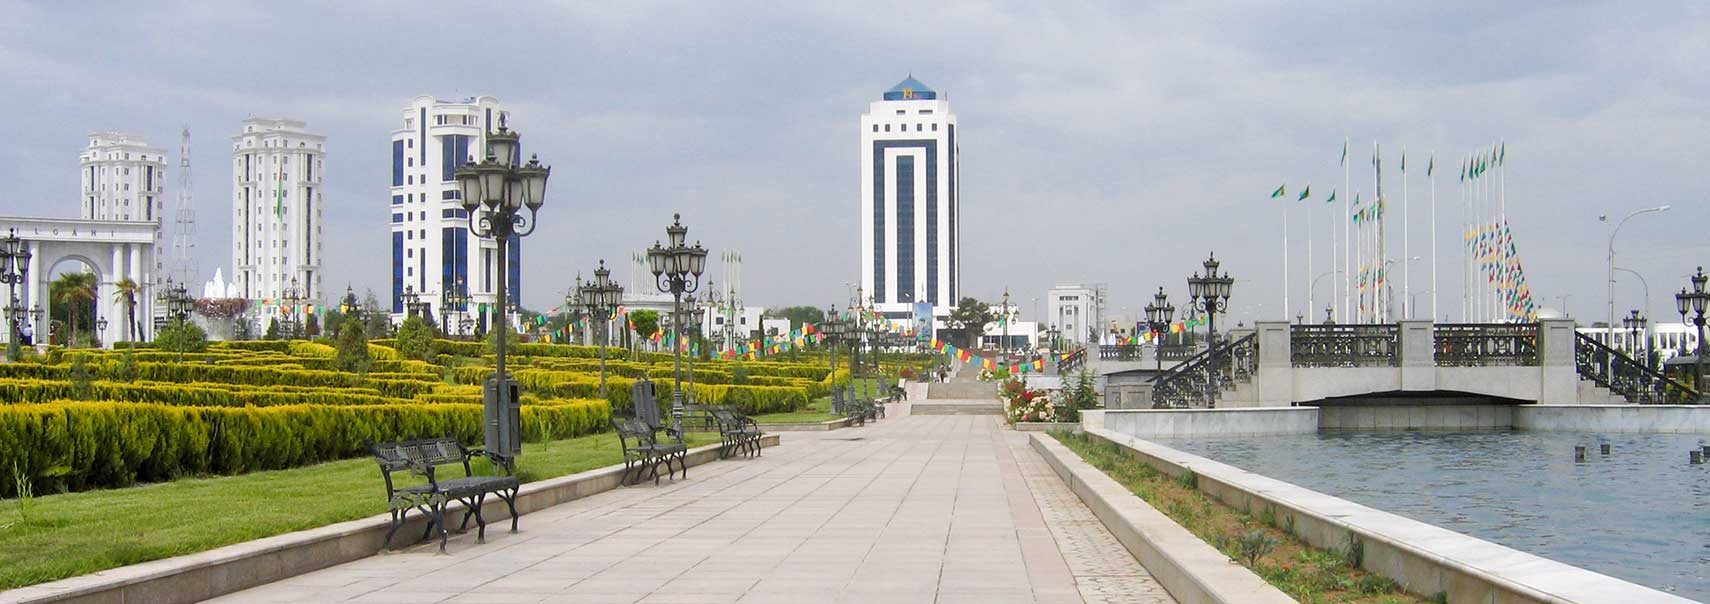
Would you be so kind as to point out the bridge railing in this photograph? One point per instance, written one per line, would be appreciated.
(1630, 378)
(1120, 352)
(1345, 345)
(1198, 381)
(1485, 344)
(1176, 354)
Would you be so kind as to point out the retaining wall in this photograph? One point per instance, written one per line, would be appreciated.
(1689, 419)
(1175, 423)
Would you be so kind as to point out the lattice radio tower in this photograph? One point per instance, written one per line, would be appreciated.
(184, 222)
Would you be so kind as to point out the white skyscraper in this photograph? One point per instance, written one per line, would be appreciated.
(123, 178)
(276, 211)
(431, 243)
(909, 201)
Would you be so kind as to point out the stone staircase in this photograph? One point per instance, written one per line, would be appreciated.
(964, 407)
(1592, 394)
(963, 390)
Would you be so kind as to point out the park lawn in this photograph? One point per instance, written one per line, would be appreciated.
(78, 533)
(819, 410)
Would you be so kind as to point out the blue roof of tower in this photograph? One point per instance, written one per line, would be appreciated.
(910, 89)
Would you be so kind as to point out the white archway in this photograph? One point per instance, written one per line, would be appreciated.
(111, 249)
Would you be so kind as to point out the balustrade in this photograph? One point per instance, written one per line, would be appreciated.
(1486, 344)
(1345, 345)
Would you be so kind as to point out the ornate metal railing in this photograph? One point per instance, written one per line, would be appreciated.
(1345, 345)
(1631, 379)
(1486, 344)
(1071, 361)
(1202, 378)
(1123, 352)
(1175, 354)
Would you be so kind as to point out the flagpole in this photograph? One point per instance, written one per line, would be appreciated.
(1406, 273)
(1309, 299)
(1285, 256)
(1347, 218)
(1466, 285)
(1431, 175)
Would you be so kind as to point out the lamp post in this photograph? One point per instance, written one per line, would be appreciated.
(292, 298)
(1003, 320)
(412, 303)
(601, 297)
(832, 327)
(454, 299)
(1051, 336)
(692, 331)
(495, 192)
(1692, 303)
(1158, 316)
(677, 270)
(1211, 295)
(1635, 323)
(1611, 278)
(14, 266)
(178, 305)
(100, 328)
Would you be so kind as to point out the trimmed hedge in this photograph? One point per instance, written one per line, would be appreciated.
(76, 445)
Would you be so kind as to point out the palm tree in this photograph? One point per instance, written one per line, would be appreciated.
(76, 291)
(126, 293)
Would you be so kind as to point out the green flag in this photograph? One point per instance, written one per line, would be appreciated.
(1431, 165)
(1344, 160)
(1502, 155)
(1332, 198)
(1305, 193)
(1404, 162)
(1277, 193)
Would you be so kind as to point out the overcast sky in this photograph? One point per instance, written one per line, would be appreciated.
(1102, 142)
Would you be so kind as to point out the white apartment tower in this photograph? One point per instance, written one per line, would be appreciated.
(431, 243)
(910, 201)
(277, 204)
(123, 178)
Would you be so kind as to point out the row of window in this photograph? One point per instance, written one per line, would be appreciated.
(904, 127)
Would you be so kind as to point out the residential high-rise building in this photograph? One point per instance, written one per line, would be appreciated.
(123, 178)
(277, 170)
(431, 243)
(910, 202)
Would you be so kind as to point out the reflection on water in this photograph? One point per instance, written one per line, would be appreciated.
(1641, 513)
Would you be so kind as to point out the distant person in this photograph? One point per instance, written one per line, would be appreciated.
(28, 335)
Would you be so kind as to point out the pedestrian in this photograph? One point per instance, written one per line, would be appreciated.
(27, 335)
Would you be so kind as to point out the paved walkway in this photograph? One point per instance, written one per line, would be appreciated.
(929, 509)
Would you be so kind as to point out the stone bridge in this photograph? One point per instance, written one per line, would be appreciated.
(1276, 364)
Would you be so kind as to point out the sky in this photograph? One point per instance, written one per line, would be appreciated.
(1115, 143)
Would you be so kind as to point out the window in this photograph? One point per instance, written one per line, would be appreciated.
(902, 111)
(397, 163)
(935, 127)
(917, 127)
(926, 112)
(887, 127)
(397, 200)
(875, 127)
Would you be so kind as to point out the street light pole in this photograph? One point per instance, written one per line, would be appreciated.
(677, 270)
(1694, 303)
(1611, 277)
(602, 296)
(14, 266)
(1158, 315)
(493, 193)
(1210, 294)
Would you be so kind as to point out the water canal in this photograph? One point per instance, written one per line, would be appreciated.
(1641, 513)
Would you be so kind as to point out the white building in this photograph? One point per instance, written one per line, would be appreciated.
(910, 202)
(1076, 311)
(1668, 339)
(277, 204)
(123, 178)
(431, 243)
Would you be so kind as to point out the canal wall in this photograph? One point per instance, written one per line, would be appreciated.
(1417, 417)
(1682, 419)
(1177, 423)
(1425, 559)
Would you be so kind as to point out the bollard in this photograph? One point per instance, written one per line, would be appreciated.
(1579, 453)
(1604, 449)
(1696, 458)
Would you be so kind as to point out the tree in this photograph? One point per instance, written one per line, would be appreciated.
(181, 337)
(352, 349)
(76, 292)
(491, 344)
(126, 295)
(376, 322)
(311, 327)
(798, 315)
(415, 339)
(970, 316)
(272, 332)
(646, 323)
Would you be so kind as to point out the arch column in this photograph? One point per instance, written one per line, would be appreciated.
(115, 309)
(37, 285)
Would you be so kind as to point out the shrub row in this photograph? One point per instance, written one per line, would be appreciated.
(78, 445)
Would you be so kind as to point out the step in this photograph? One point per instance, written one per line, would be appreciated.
(965, 408)
(961, 390)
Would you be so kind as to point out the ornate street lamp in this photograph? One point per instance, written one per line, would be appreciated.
(454, 299)
(14, 266)
(601, 298)
(292, 298)
(1692, 303)
(1211, 295)
(677, 269)
(178, 305)
(412, 301)
(100, 328)
(1635, 324)
(494, 192)
(833, 328)
(1158, 316)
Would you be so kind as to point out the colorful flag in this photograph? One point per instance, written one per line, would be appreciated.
(1431, 165)
(1277, 193)
(1305, 193)
(1332, 198)
(1344, 160)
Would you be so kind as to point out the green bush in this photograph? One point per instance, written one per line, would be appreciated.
(75, 445)
(353, 350)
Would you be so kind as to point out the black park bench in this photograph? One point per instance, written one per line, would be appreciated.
(421, 457)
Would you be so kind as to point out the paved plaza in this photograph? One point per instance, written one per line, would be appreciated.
(929, 509)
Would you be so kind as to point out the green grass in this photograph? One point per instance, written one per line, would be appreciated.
(78, 533)
(818, 410)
